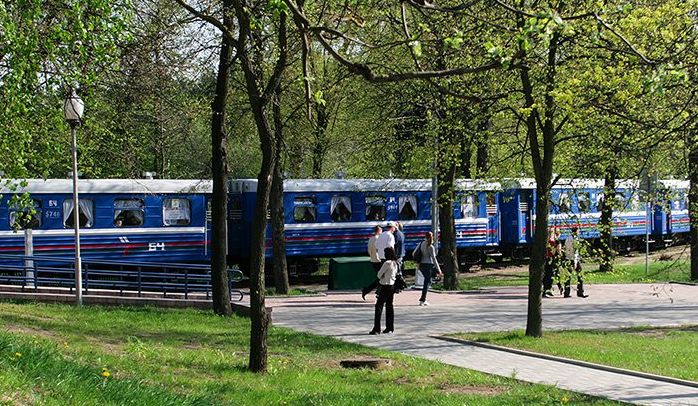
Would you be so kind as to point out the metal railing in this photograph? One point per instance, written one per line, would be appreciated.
(34, 272)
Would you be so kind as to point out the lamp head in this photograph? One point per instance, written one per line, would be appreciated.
(73, 108)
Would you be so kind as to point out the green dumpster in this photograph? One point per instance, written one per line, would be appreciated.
(350, 273)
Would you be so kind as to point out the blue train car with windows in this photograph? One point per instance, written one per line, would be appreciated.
(325, 218)
(577, 203)
(672, 219)
(120, 219)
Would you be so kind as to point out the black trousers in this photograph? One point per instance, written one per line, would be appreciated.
(385, 298)
(580, 281)
(425, 269)
(548, 275)
(376, 267)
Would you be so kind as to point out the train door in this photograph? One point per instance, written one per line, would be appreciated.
(235, 225)
(525, 215)
(493, 223)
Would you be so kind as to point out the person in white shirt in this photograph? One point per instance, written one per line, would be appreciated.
(372, 251)
(383, 241)
(386, 291)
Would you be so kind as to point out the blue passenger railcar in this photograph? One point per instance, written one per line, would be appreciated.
(334, 217)
(671, 217)
(574, 203)
(120, 219)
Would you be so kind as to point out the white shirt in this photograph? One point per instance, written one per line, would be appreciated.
(387, 273)
(385, 240)
(372, 252)
(569, 248)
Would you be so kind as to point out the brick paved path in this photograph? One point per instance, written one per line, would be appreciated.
(347, 317)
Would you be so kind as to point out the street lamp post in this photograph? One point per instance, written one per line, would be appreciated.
(73, 107)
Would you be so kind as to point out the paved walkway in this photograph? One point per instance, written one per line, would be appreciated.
(345, 316)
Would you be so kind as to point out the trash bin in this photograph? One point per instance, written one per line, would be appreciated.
(350, 273)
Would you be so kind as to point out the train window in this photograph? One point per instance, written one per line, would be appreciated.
(176, 212)
(564, 203)
(636, 203)
(679, 201)
(407, 207)
(584, 202)
(25, 218)
(86, 213)
(469, 206)
(304, 210)
(620, 203)
(128, 212)
(375, 208)
(491, 203)
(340, 208)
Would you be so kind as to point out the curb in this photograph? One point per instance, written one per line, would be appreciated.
(586, 364)
(684, 283)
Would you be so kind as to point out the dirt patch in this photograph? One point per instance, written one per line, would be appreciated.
(650, 333)
(17, 399)
(472, 390)
(110, 346)
(31, 331)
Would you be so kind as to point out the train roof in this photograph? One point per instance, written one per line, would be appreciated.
(566, 183)
(144, 186)
(675, 183)
(370, 185)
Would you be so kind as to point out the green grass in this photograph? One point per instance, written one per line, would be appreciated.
(292, 292)
(472, 282)
(167, 357)
(663, 351)
(659, 272)
(662, 271)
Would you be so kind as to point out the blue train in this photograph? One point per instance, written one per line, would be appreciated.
(120, 219)
(166, 220)
(334, 217)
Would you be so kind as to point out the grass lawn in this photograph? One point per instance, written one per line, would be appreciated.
(660, 271)
(663, 351)
(59, 355)
(293, 292)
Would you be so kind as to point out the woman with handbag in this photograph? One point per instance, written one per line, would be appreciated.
(425, 256)
(386, 276)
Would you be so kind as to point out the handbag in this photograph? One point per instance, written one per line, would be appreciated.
(417, 254)
(400, 283)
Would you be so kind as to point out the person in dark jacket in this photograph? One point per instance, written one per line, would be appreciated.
(399, 246)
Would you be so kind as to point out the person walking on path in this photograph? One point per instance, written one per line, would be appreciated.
(573, 264)
(550, 263)
(383, 241)
(427, 264)
(386, 291)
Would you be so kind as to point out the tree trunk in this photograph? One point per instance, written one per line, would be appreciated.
(219, 167)
(465, 153)
(693, 201)
(534, 321)
(277, 206)
(606, 252)
(320, 146)
(481, 160)
(259, 98)
(447, 244)
(543, 170)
